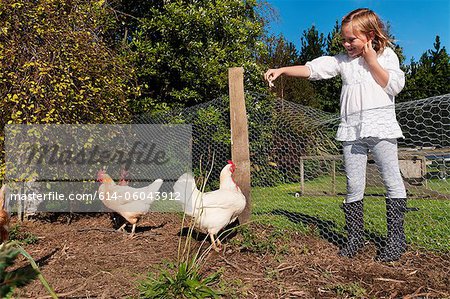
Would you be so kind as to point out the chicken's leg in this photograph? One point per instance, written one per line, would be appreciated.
(213, 243)
(121, 229)
(132, 230)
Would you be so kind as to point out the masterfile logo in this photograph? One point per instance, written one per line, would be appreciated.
(56, 166)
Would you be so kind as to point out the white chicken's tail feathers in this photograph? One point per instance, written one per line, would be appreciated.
(157, 183)
(154, 187)
(185, 185)
(186, 190)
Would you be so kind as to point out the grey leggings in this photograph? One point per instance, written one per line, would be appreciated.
(385, 155)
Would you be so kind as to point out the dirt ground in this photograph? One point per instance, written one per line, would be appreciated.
(89, 259)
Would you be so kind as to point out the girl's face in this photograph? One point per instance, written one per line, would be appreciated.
(353, 41)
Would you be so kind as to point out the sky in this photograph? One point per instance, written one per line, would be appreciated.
(414, 23)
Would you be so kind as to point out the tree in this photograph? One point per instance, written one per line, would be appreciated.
(183, 49)
(429, 76)
(334, 44)
(330, 90)
(327, 92)
(283, 53)
(312, 45)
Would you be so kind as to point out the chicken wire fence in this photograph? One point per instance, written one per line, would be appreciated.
(297, 174)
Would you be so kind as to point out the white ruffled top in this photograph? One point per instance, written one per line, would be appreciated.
(367, 109)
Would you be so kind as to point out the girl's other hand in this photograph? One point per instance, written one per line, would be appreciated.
(368, 53)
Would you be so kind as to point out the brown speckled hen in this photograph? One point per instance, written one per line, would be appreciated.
(4, 217)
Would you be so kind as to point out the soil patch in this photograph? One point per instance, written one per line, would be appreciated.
(87, 258)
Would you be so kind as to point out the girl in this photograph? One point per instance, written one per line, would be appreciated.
(371, 78)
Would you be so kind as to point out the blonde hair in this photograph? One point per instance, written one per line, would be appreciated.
(366, 21)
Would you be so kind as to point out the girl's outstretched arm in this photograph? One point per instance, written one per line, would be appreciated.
(293, 71)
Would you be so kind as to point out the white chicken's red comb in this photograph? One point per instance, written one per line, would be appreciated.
(233, 166)
(123, 177)
(100, 174)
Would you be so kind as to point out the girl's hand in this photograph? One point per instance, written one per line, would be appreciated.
(271, 75)
(368, 53)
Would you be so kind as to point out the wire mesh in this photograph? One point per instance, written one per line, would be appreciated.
(297, 171)
(211, 138)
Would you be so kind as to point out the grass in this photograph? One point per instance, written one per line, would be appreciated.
(428, 228)
(182, 280)
(274, 242)
(349, 290)
(441, 186)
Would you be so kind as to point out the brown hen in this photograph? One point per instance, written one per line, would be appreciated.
(4, 217)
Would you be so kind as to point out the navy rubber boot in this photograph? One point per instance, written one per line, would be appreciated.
(396, 239)
(354, 222)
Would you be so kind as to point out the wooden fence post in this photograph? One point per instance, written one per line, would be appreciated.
(240, 152)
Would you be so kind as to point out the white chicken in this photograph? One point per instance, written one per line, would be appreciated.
(213, 210)
(131, 203)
